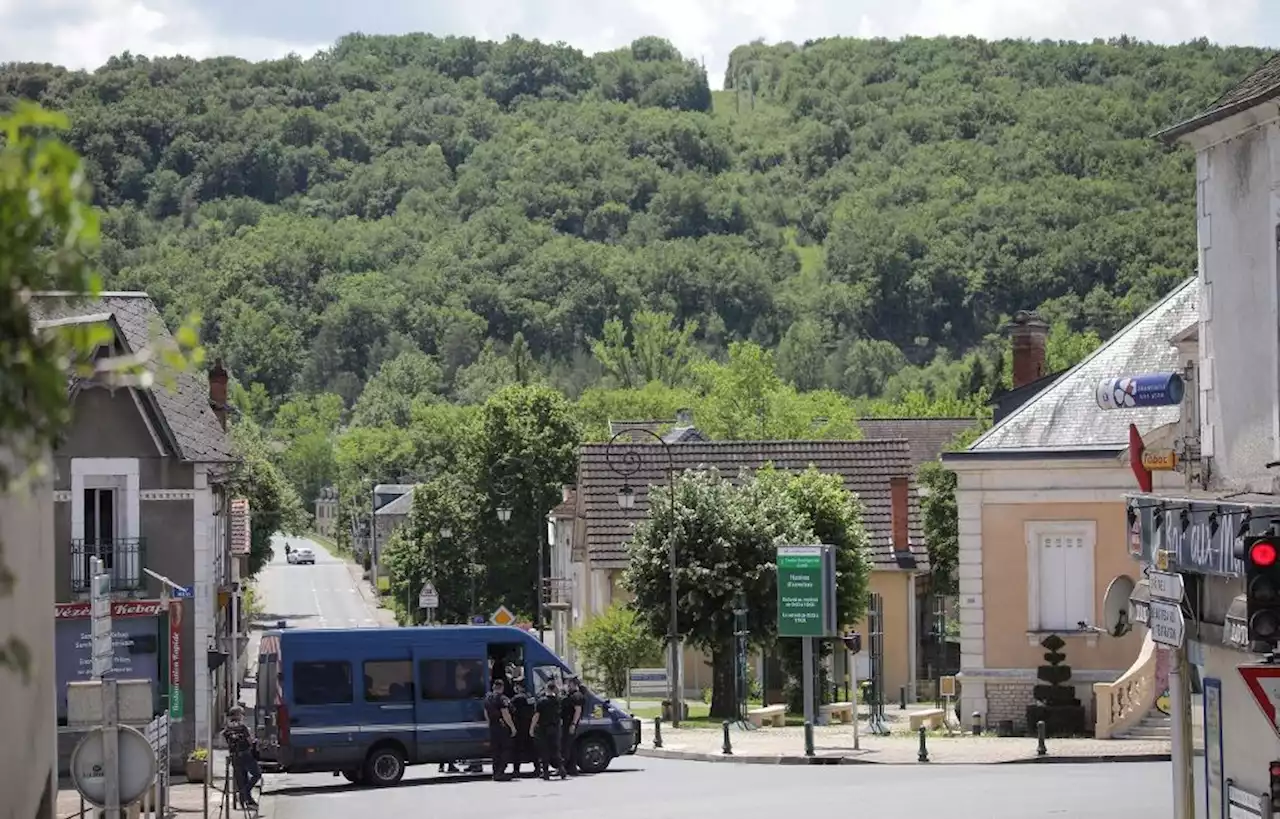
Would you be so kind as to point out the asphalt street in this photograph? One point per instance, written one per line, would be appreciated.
(319, 596)
(637, 788)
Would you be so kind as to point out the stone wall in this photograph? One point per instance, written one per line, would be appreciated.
(1008, 700)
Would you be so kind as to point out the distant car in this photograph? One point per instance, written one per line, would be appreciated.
(303, 555)
(291, 556)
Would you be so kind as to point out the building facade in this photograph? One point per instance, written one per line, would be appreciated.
(1231, 443)
(1042, 525)
(879, 472)
(141, 483)
(326, 513)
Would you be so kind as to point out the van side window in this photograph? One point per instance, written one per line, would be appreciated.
(388, 681)
(452, 679)
(327, 682)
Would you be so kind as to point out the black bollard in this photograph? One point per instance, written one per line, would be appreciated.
(727, 748)
(902, 698)
(924, 748)
(1041, 750)
(808, 739)
(657, 732)
(977, 724)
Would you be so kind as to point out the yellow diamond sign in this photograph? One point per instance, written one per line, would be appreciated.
(502, 617)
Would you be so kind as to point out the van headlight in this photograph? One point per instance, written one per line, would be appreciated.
(627, 724)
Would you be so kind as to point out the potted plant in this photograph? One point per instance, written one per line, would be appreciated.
(198, 765)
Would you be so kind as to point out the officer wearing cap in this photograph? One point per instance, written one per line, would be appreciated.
(502, 728)
(546, 731)
(572, 705)
(523, 748)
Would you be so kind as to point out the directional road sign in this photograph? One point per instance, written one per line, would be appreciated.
(1168, 627)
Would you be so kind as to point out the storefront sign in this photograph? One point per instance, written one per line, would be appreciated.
(135, 641)
(175, 660)
(1160, 460)
(119, 609)
(1151, 390)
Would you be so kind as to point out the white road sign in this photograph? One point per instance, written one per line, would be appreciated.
(1166, 586)
(429, 598)
(1167, 624)
(102, 649)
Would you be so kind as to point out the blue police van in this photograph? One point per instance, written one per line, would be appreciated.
(367, 703)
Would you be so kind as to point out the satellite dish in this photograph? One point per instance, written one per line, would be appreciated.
(137, 766)
(1115, 606)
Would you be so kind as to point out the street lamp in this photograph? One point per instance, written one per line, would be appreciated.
(498, 486)
(628, 464)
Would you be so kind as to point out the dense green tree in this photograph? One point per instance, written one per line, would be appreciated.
(612, 643)
(726, 541)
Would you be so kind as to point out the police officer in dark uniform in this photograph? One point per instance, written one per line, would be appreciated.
(572, 704)
(522, 708)
(546, 730)
(497, 708)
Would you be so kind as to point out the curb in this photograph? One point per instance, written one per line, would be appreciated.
(784, 759)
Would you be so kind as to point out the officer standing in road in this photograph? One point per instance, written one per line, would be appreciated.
(571, 707)
(522, 708)
(546, 730)
(497, 708)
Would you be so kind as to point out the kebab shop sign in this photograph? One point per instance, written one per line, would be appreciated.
(135, 626)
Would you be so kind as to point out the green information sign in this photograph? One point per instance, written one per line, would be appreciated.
(175, 703)
(805, 592)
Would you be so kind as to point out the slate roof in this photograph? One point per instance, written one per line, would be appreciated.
(402, 505)
(928, 437)
(184, 406)
(1262, 85)
(1066, 416)
(677, 433)
(866, 467)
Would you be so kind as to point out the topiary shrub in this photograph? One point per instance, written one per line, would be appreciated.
(1056, 703)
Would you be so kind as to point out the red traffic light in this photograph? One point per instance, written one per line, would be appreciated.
(1275, 769)
(1263, 554)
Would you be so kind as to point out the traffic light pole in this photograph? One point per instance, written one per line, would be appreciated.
(1181, 745)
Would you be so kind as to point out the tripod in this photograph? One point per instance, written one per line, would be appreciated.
(231, 795)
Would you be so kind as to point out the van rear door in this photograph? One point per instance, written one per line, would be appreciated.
(452, 679)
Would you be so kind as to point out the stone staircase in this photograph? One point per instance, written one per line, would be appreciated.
(1155, 725)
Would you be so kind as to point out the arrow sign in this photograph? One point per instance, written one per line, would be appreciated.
(1264, 684)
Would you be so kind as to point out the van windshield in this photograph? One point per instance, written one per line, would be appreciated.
(542, 674)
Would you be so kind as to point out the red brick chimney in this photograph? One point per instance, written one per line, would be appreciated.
(218, 392)
(1028, 333)
(900, 509)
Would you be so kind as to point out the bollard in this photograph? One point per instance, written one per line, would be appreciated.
(808, 739)
(1041, 750)
(977, 724)
(902, 698)
(727, 748)
(924, 748)
(657, 732)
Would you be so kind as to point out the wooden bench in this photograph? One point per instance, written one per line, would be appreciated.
(932, 717)
(838, 711)
(773, 715)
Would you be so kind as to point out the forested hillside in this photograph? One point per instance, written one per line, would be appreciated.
(858, 205)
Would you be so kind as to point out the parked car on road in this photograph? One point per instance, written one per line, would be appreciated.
(303, 554)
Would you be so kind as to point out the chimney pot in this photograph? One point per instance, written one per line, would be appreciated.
(218, 392)
(684, 417)
(1028, 334)
(900, 510)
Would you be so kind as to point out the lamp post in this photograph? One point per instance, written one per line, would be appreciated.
(628, 464)
(503, 492)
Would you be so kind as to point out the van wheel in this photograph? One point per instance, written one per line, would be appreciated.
(355, 776)
(593, 753)
(384, 766)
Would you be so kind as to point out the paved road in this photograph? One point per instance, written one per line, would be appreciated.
(319, 596)
(644, 788)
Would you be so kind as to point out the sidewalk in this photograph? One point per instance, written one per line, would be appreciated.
(385, 617)
(834, 744)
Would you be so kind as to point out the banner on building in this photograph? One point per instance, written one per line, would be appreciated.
(175, 660)
(240, 527)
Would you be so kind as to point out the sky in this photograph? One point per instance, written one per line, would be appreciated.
(84, 33)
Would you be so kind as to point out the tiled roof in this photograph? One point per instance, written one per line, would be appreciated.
(927, 436)
(402, 505)
(866, 467)
(184, 405)
(1066, 416)
(1263, 84)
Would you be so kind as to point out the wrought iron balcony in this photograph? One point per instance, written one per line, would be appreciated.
(122, 558)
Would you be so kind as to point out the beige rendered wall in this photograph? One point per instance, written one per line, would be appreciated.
(1004, 575)
(894, 589)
